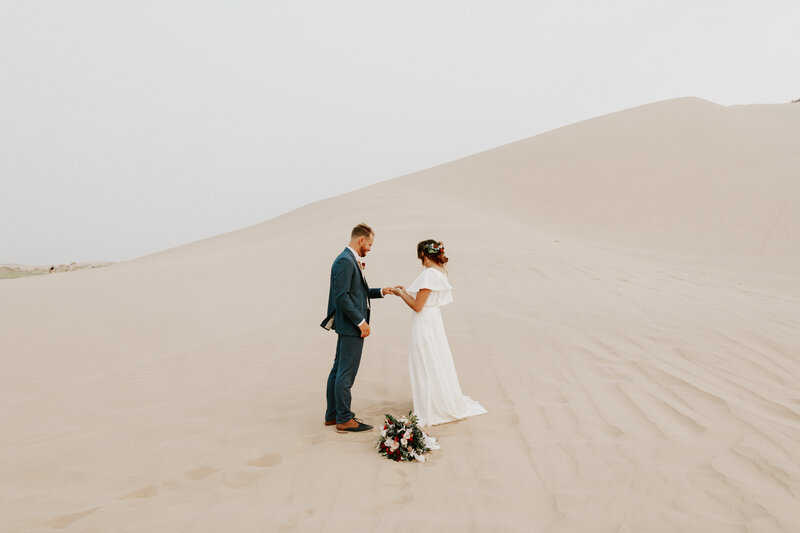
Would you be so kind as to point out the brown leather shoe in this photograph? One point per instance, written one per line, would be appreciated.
(352, 426)
(330, 422)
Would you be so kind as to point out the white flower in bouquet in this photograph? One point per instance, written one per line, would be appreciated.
(403, 442)
(430, 442)
(394, 445)
(407, 434)
(383, 433)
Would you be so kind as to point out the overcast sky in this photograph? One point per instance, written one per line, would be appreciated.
(131, 127)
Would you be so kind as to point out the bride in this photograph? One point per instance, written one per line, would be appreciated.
(435, 389)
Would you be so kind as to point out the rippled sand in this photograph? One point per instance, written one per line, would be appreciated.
(627, 307)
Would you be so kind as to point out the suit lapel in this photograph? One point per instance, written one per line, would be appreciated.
(358, 267)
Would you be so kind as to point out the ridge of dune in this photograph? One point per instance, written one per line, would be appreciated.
(685, 181)
(684, 178)
(783, 113)
(626, 308)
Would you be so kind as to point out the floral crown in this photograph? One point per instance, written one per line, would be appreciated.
(434, 248)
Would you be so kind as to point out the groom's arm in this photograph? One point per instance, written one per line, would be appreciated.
(342, 277)
(375, 293)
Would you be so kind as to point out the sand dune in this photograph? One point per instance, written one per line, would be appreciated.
(627, 309)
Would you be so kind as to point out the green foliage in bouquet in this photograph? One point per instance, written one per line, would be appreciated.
(402, 440)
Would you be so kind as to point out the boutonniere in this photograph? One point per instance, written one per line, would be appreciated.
(363, 265)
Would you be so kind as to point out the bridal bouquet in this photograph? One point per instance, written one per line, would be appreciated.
(402, 440)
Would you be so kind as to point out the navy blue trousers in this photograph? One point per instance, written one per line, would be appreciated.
(342, 376)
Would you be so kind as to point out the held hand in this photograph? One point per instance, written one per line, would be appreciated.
(399, 290)
(388, 290)
(364, 330)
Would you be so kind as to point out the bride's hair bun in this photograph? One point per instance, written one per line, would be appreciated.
(433, 250)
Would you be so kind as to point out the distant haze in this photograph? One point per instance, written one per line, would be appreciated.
(127, 129)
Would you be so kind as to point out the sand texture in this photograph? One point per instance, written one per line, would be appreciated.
(627, 308)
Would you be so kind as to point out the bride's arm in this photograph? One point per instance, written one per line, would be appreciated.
(414, 303)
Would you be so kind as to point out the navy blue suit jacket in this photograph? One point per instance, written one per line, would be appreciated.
(347, 299)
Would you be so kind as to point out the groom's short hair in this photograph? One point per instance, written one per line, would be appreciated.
(362, 230)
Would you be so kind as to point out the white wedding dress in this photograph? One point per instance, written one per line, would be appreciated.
(435, 389)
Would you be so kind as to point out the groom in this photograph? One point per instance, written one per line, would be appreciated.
(348, 315)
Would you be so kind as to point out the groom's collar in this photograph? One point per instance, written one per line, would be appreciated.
(355, 255)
